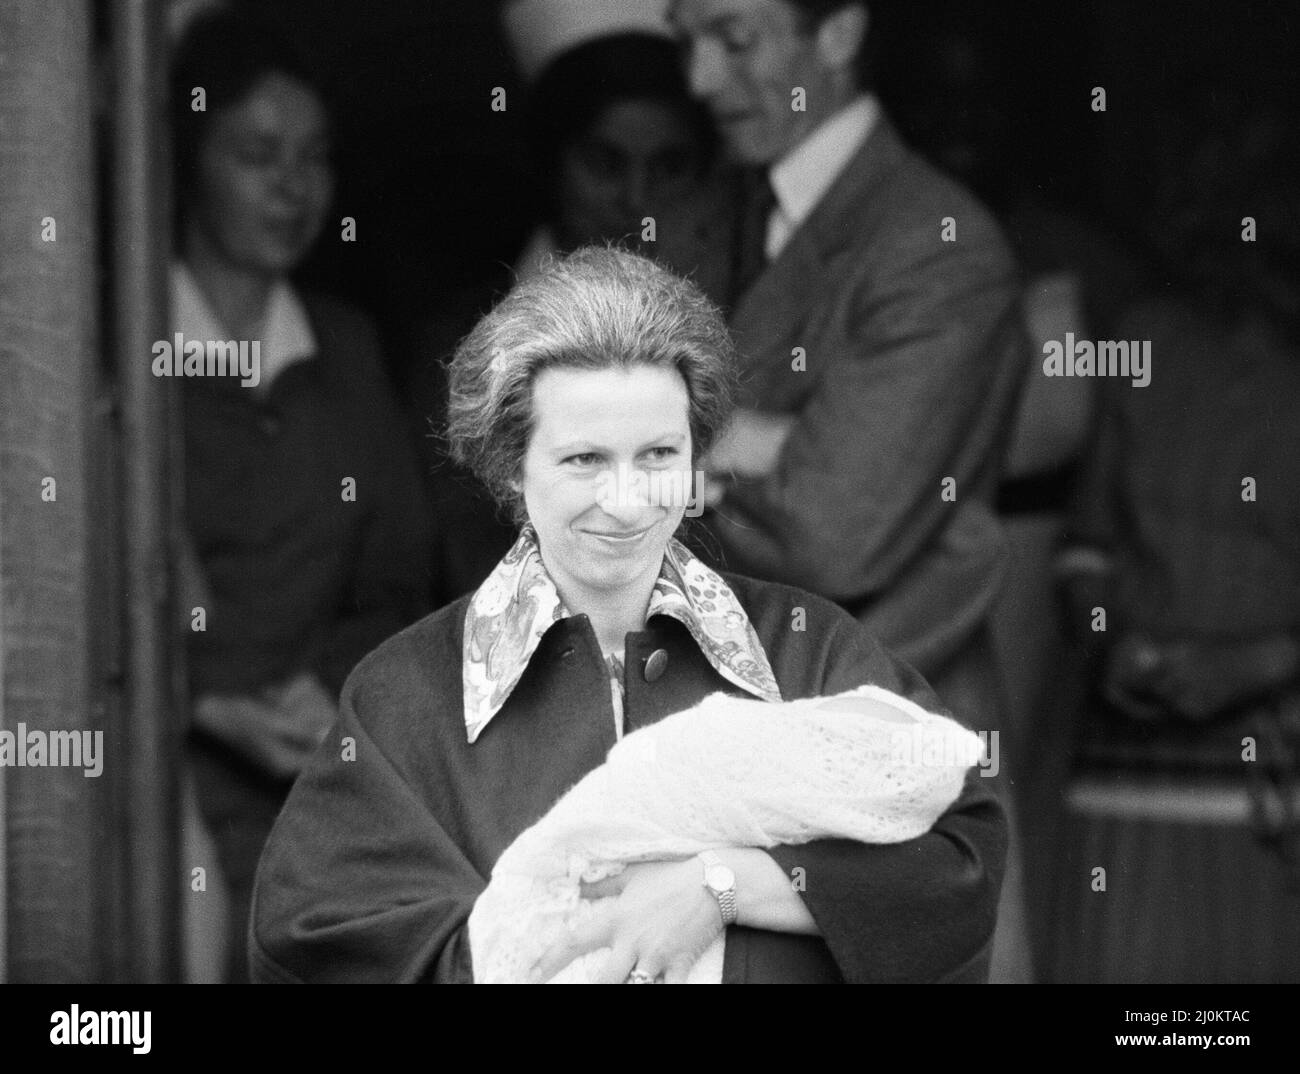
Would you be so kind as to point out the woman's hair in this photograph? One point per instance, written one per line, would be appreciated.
(597, 308)
(226, 53)
(577, 87)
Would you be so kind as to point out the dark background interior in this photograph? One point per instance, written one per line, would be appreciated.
(440, 187)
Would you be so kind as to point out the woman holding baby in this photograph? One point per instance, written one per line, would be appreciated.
(462, 732)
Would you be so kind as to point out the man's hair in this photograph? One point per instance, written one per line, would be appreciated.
(598, 308)
(812, 12)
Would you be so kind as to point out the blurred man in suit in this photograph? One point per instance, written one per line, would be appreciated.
(875, 306)
(881, 342)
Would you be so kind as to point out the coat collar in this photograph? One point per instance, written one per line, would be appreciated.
(518, 603)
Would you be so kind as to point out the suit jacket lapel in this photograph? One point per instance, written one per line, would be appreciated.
(774, 309)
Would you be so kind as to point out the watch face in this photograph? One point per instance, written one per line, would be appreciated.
(719, 878)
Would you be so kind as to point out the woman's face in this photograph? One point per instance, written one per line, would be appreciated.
(264, 180)
(638, 159)
(606, 476)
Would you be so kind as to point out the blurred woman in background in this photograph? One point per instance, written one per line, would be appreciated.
(305, 515)
(617, 140)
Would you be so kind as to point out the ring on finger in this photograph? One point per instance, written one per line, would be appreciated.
(640, 977)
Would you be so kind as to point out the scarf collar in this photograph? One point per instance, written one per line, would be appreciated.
(518, 603)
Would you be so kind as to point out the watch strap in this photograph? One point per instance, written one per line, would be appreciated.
(727, 896)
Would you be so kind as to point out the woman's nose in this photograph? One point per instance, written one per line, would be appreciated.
(624, 495)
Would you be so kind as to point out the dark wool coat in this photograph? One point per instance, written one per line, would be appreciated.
(392, 831)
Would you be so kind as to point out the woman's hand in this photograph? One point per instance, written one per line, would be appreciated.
(657, 917)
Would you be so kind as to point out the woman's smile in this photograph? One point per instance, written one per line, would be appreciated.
(622, 538)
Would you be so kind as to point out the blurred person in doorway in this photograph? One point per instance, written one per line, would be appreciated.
(1181, 568)
(625, 154)
(306, 521)
(881, 359)
(1186, 526)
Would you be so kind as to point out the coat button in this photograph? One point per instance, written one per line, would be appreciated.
(655, 664)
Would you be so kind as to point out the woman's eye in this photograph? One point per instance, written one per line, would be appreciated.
(586, 458)
(662, 454)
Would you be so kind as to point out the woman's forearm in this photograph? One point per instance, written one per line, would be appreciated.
(766, 898)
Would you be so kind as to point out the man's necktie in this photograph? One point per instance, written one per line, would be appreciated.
(750, 243)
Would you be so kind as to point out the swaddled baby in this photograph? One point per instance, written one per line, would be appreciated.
(867, 765)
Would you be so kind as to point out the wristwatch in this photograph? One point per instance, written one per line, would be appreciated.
(721, 883)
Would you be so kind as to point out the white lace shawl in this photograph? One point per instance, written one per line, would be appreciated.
(867, 765)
